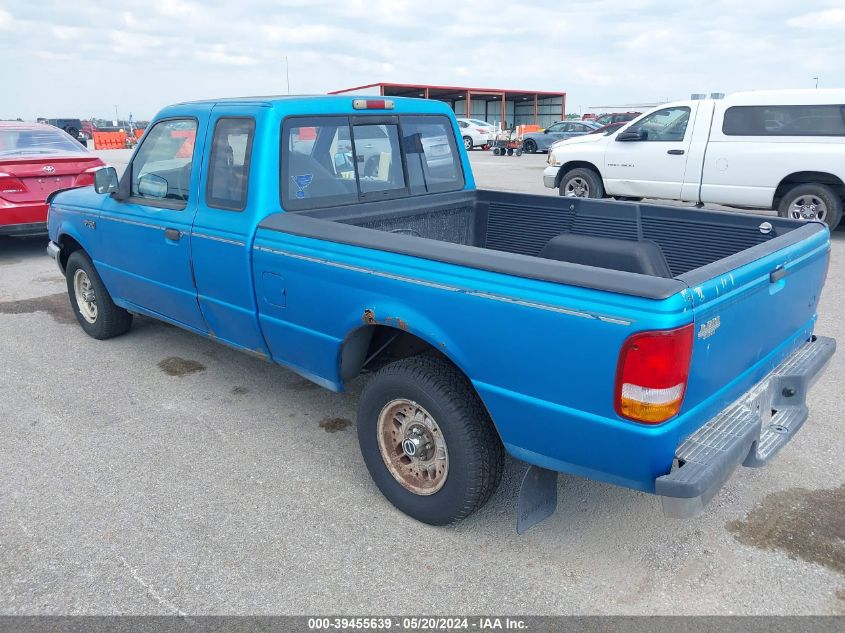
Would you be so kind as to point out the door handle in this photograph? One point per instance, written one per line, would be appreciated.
(675, 152)
(173, 234)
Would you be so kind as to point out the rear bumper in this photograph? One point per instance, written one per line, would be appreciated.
(24, 230)
(749, 432)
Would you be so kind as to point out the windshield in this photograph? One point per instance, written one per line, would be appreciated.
(44, 141)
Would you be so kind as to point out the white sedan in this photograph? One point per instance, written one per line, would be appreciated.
(475, 133)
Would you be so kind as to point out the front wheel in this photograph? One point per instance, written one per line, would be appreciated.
(581, 183)
(467, 143)
(812, 201)
(529, 146)
(428, 441)
(91, 302)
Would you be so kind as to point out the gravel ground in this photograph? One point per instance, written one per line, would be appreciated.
(160, 473)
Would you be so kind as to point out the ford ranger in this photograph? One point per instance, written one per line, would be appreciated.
(654, 348)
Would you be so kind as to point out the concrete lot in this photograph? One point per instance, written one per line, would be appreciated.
(134, 484)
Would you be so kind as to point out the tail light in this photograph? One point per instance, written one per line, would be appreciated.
(86, 177)
(652, 374)
(10, 184)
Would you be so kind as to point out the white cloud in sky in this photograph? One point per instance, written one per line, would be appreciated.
(81, 58)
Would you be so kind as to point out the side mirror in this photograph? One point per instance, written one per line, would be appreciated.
(152, 186)
(635, 133)
(105, 180)
(546, 131)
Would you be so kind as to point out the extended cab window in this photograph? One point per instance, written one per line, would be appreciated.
(431, 154)
(161, 169)
(328, 161)
(228, 168)
(668, 124)
(793, 120)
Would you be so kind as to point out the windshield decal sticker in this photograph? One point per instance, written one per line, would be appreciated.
(302, 182)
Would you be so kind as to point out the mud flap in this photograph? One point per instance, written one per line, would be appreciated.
(537, 497)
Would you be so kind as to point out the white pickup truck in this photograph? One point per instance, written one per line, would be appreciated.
(782, 150)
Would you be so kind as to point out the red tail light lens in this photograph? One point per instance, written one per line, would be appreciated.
(652, 374)
(86, 177)
(10, 184)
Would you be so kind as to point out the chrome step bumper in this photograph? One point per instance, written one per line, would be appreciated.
(749, 432)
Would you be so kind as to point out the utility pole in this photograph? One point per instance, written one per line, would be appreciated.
(817, 81)
(116, 118)
(287, 72)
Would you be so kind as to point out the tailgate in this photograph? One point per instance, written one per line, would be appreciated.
(751, 311)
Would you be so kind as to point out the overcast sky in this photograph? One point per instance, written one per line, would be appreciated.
(83, 57)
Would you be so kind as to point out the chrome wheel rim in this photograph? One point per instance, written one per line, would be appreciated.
(412, 446)
(808, 207)
(467, 144)
(86, 300)
(576, 188)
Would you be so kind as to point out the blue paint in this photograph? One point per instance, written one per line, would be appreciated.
(541, 355)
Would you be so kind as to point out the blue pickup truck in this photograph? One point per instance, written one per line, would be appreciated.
(656, 348)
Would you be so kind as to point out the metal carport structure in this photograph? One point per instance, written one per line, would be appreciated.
(504, 106)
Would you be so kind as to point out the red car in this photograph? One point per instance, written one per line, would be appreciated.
(35, 161)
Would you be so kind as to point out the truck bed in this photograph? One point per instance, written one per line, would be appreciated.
(507, 232)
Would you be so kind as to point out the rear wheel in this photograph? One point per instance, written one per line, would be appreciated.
(581, 183)
(467, 143)
(93, 306)
(529, 146)
(812, 201)
(428, 441)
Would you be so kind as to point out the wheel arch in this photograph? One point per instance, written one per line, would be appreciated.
(574, 164)
(68, 244)
(372, 345)
(807, 177)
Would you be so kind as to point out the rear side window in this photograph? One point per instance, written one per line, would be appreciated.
(161, 168)
(228, 168)
(318, 167)
(792, 120)
(329, 161)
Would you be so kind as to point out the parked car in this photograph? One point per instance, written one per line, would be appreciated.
(610, 128)
(541, 141)
(475, 133)
(73, 127)
(35, 161)
(617, 117)
(781, 150)
(612, 368)
(88, 129)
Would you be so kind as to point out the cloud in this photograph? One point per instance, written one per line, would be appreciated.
(599, 51)
(828, 19)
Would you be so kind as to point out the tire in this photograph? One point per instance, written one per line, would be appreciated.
(425, 390)
(529, 146)
(518, 151)
(581, 183)
(510, 151)
(467, 143)
(496, 151)
(812, 201)
(105, 320)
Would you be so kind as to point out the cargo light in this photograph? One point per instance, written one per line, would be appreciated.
(652, 374)
(372, 104)
(10, 184)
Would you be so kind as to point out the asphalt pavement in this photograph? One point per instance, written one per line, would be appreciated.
(161, 473)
